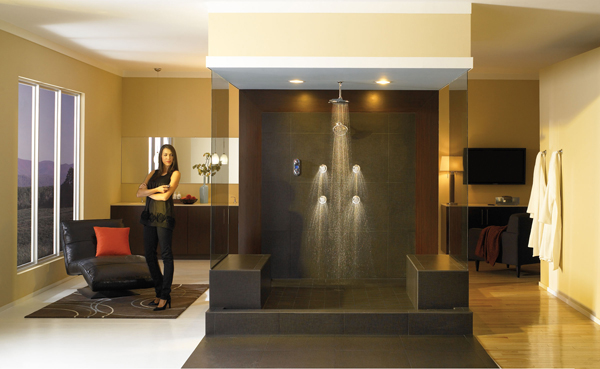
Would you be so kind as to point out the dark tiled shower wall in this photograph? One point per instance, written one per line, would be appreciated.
(383, 144)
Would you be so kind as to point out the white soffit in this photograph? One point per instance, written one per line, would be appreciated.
(387, 7)
(323, 73)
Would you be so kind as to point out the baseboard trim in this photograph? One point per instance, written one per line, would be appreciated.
(35, 293)
(571, 302)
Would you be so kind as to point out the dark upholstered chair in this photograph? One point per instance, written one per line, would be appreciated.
(106, 276)
(515, 240)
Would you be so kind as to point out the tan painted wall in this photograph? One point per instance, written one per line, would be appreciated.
(504, 114)
(166, 107)
(379, 35)
(570, 120)
(174, 107)
(101, 148)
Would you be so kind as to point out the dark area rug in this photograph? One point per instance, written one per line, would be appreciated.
(126, 307)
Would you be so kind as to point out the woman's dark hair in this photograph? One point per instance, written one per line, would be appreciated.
(174, 165)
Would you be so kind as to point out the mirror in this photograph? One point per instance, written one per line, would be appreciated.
(136, 156)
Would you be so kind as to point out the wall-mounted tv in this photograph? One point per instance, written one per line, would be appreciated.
(487, 166)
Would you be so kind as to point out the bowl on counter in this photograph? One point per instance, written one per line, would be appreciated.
(188, 201)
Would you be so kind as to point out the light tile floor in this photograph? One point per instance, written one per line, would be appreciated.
(97, 343)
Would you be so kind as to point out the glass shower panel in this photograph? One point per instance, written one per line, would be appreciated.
(220, 164)
(458, 142)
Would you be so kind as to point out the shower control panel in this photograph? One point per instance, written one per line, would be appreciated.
(297, 167)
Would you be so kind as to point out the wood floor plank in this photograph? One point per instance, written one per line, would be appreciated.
(522, 326)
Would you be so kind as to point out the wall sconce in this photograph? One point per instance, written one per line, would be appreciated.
(451, 164)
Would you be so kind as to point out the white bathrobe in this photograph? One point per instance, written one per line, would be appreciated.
(538, 192)
(551, 214)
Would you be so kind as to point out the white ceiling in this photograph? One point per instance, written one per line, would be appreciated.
(510, 38)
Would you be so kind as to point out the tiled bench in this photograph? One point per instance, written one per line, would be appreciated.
(240, 282)
(437, 282)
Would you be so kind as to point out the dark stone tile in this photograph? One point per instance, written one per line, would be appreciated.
(400, 244)
(412, 283)
(276, 123)
(285, 304)
(241, 343)
(211, 358)
(382, 324)
(277, 244)
(371, 359)
(311, 123)
(312, 149)
(297, 359)
(235, 289)
(210, 323)
(311, 323)
(367, 254)
(275, 204)
(365, 124)
(377, 206)
(444, 359)
(402, 158)
(307, 212)
(302, 343)
(246, 323)
(440, 322)
(436, 343)
(480, 351)
(372, 154)
(403, 123)
(276, 163)
(443, 289)
(402, 207)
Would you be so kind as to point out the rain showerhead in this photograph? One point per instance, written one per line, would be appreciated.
(339, 100)
(340, 129)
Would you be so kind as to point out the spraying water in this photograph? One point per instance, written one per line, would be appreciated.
(338, 225)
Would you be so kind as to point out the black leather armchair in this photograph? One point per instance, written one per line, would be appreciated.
(515, 240)
(105, 275)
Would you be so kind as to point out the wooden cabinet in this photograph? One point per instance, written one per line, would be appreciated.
(483, 216)
(454, 230)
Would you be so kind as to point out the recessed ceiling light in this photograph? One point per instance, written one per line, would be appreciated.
(296, 81)
(382, 82)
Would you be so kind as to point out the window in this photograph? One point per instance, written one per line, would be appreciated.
(49, 121)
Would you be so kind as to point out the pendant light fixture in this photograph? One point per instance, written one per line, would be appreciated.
(224, 158)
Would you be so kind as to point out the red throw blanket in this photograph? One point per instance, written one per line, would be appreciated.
(488, 245)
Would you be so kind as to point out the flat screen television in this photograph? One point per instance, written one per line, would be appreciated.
(488, 166)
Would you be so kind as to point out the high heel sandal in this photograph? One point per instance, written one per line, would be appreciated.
(164, 306)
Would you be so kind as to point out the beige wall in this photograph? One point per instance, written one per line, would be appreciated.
(101, 148)
(374, 35)
(166, 107)
(175, 107)
(504, 114)
(570, 120)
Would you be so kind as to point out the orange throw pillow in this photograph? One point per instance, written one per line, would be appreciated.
(112, 241)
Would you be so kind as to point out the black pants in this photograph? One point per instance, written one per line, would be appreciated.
(152, 237)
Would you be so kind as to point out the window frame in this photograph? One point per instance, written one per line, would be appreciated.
(77, 116)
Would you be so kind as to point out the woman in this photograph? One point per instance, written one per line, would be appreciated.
(159, 222)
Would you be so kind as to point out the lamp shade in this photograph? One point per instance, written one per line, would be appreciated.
(224, 159)
(451, 164)
(215, 158)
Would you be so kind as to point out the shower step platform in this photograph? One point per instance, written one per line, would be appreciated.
(357, 307)
(458, 321)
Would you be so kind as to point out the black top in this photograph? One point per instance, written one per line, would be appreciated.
(158, 213)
